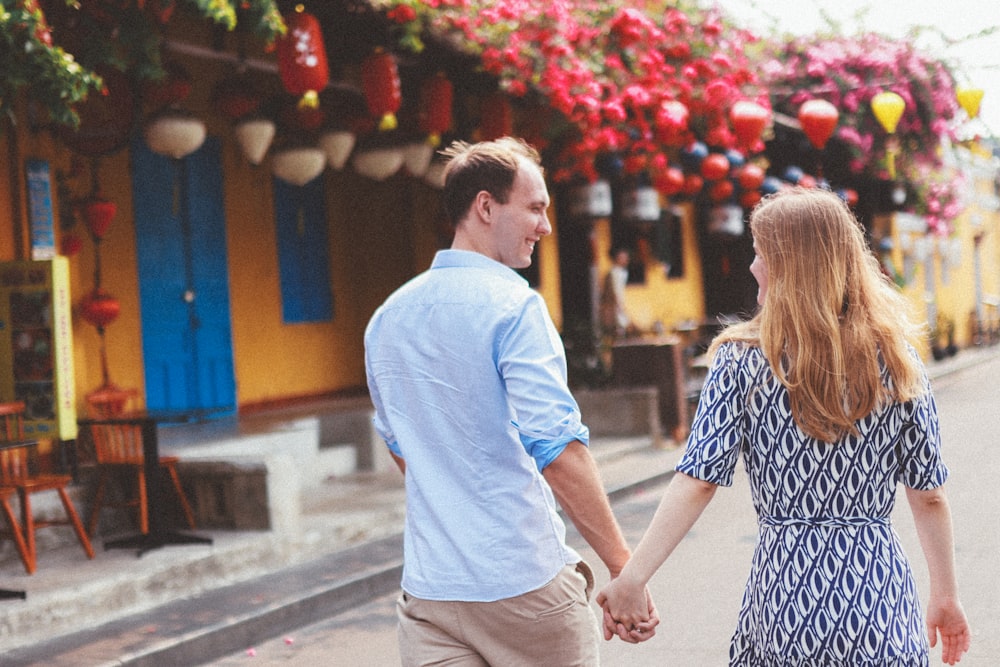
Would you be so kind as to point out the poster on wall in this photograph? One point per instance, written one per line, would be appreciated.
(36, 345)
(43, 236)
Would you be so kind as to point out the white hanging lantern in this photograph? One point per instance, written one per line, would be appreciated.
(417, 158)
(591, 200)
(254, 136)
(175, 133)
(641, 203)
(298, 165)
(338, 146)
(379, 163)
(435, 174)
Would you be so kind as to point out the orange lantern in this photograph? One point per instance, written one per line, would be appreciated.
(381, 88)
(496, 117)
(302, 62)
(749, 120)
(436, 96)
(969, 99)
(888, 108)
(818, 119)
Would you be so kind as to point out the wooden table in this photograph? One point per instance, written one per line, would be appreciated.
(657, 362)
(159, 534)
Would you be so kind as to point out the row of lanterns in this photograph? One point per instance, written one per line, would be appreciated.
(304, 72)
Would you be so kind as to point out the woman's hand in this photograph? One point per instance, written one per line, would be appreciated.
(945, 617)
(629, 611)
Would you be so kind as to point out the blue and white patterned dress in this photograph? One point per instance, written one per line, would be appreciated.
(829, 584)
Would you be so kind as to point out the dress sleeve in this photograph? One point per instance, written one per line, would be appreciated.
(921, 466)
(713, 448)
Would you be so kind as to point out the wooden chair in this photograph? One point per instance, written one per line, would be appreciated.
(118, 444)
(16, 474)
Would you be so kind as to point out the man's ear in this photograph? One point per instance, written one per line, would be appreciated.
(483, 205)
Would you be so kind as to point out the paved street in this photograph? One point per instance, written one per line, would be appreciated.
(698, 591)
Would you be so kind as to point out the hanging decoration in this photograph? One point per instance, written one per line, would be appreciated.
(748, 120)
(337, 144)
(818, 119)
(496, 117)
(381, 88)
(379, 164)
(888, 108)
(436, 96)
(97, 213)
(298, 165)
(237, 96)
(254, 134)
(302, 61)
(969, 99)
(672, 123)
(174, 132)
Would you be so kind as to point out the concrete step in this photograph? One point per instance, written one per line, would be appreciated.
(195, 603)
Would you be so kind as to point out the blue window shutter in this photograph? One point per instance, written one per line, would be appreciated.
(303, 252)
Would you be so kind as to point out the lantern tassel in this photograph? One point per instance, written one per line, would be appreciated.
(388, 122)
(309, 100)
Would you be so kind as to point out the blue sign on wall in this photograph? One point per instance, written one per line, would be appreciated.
(43, 236)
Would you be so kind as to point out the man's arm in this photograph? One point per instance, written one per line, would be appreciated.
(400, 461)
(576, 483)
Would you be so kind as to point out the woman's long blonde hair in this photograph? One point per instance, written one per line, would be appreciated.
(828, 314)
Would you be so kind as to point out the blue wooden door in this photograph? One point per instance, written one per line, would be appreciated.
(183, 281)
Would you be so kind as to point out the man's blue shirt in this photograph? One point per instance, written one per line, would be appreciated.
(467, 374)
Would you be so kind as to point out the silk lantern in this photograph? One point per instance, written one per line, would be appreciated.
(672, 122)
(748, 120)
(97, 213)
(715, 167)
(302, 63)
(98, 308)
(818, 119)
(888, 108)
(436, 97)
(496, 117)
(969, 99)
(381, 87)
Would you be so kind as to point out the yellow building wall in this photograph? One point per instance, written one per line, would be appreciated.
(950, 289)
(671, 302)
(380, 235)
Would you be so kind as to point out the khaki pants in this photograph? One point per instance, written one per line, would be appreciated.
(553, 626)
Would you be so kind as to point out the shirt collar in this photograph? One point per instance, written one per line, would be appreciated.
(445, 259)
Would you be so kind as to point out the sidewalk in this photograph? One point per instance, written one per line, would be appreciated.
(195, 603)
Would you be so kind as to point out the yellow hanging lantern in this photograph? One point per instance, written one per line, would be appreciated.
(969, 99)
(888, 107)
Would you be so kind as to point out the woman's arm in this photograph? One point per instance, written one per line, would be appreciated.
(945, 616)
(624, 599)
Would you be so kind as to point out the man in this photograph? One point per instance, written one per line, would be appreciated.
(468, 378)
(614, 318)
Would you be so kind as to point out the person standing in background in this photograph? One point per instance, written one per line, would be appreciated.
(615, 321)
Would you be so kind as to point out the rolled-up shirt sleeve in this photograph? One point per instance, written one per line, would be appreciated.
(532, 362)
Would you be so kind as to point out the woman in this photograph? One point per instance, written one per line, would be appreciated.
(831, 408)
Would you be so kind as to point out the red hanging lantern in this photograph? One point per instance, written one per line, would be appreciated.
(818, 119)
(496, 117)
(97, 212)
(436, 95)
(672, 122)
(751, 177)
(173, 88)
(749, 120)
(70, 244)
(302, 62)
(98, 308)
(381, 88)
(669, 182)
(236, 97)
(715, 167)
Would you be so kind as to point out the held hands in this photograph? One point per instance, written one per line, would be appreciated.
(629, 612)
